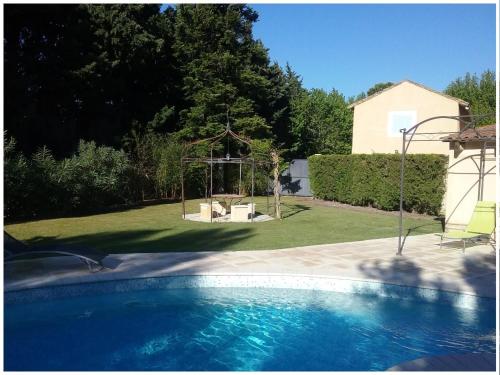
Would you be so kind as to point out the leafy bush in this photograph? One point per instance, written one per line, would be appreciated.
(47, 192)
(167, 154)
(155, 160)
(93, 178)
(16, 180)
(97, 175)
(373, 180)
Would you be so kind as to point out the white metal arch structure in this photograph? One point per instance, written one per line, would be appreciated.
(468, 122)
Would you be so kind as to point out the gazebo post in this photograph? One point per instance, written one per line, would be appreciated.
(267, 192)
(401, 191)
(239, 184)
(480, 187)
(206, 184)
(182, 189)
(211, 180)
(251, 199)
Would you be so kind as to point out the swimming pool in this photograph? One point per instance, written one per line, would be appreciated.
(236, 328)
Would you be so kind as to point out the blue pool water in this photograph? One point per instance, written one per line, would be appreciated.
(237, 329)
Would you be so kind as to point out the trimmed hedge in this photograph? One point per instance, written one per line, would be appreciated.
(373, 180)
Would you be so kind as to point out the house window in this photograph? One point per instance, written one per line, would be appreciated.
(400, 120)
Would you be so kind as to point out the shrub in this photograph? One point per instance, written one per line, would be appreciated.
(16, 181)
(98, 176)
(93, 178)
(373, 180)
(47, 193)
(167, 153)
(156, 166)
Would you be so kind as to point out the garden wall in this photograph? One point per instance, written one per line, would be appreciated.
(373, 180)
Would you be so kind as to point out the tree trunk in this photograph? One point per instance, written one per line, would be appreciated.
(277, 186)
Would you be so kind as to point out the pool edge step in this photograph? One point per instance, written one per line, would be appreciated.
(452, 362)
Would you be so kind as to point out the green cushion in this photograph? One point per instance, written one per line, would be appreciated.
(483, 218)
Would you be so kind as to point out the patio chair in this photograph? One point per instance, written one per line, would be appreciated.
(481, 225)
(15, 249)
(219, 208)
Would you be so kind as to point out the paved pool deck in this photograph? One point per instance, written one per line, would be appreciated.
(422, 264)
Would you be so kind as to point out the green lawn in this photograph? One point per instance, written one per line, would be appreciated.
(161, 228)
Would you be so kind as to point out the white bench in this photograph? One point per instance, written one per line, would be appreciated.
(205, 211)
(242, 212)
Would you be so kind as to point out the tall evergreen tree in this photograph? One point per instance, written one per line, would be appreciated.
(480, 93)
(293, 83)
(43, 45)
(226, 73)
(87, 71)
(321, 123)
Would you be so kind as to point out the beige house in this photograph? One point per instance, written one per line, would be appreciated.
(379, 117)
(471, 173)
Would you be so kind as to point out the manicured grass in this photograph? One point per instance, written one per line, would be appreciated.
(160, 228)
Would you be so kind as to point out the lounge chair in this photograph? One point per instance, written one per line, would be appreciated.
(481, 225)
(15, 249)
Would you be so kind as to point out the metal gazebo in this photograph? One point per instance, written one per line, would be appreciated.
(227, 159)
(467, 122)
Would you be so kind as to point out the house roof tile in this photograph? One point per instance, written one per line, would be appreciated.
(482, 133)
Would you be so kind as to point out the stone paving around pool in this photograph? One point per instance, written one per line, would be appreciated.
(422, 264)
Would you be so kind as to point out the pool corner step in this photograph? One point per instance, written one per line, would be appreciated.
(452, 362)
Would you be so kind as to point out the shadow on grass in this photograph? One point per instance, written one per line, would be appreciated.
(153, 241)
(92, 212)
(289, 210)
(192, 257)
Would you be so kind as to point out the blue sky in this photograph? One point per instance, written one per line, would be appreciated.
(351, 47)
